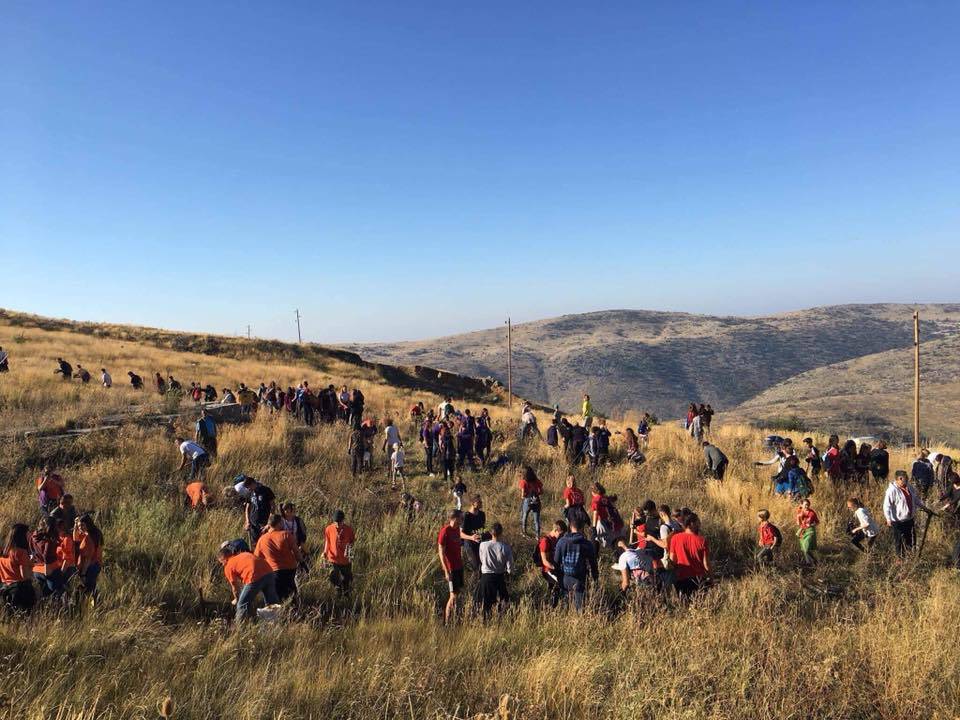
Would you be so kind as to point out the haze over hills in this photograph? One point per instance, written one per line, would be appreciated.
(659, 361)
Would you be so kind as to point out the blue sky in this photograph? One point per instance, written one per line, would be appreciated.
(404, 170)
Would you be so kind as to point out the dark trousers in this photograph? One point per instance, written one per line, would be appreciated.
(308, 413)
(903, 535)
(448, 466)
(554, 587)
(356, 462)
(286, 583)
(210, 445)
(428, 457)
(857, 539)
(483, 449)
(341, 576)
(720, 471)
(576, 589)
(491, 589)
(465, 451)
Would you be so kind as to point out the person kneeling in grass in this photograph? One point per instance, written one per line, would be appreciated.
(862, 527)
(248, 576)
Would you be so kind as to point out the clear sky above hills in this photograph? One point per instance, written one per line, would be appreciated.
(401, 170)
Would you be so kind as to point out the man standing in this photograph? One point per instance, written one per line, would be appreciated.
(716, 461)
(259, 508)
(587, 412)
(338, 539)
(207, 432)
(429, 441)
(574, 556)
(195, 454)
(279, 548)
(551, 573)
(451, 561)
(922, 472)
(496, 562)
(899, 505)
(474, 522)
(880, 462)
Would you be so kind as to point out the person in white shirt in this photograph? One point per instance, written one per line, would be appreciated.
(900, 503)
(105, 378)
(496, 562)
(862, 528)
(396, 466)
(196, 455)
(391, 436)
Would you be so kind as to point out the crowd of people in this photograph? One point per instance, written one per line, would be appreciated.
(659, 551)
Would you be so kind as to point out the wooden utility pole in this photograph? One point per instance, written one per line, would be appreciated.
(248, 332)
(509, 364)
(299, 338)
(916, 379)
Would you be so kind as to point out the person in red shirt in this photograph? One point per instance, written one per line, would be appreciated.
(530, 491)
(768, 538)
(451, 560)
(573, 501)
(16, 570)
(248, 576)
(50, 489)
(689, 555)
(43, 548)
(279, 548)
(548, 570)
(807, 522)
(338, 539)
(600, 514)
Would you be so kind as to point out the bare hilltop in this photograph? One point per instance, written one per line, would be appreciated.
(810, 363)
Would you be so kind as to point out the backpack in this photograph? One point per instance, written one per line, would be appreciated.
(777, 536)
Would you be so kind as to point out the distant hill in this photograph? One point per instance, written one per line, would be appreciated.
(871, 394)
(659, 361)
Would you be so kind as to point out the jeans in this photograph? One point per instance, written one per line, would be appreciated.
(576, 588)
(246, 600)
(764, 554)
(903, 535)
(531, 505)
(465, 452)
(197, 465)
(308, 413)
(52, 583)
(90, 576)
(428, 455)
(554, 587)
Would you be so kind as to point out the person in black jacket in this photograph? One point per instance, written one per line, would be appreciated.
(880, 463)
(64, 369)
(574, 555)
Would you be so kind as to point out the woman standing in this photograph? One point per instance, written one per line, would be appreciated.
(16, 570)
(90, 548)
(807, 522)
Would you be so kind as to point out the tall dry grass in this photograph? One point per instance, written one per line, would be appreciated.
(856, 638)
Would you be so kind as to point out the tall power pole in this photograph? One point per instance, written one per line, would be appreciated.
(248, 332)
(299, 338)
(916, 379)
(509, 364)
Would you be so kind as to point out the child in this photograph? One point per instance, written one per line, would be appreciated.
(807, 521)
(459, 490)
(862, 527)
(396, 466)
(769, 538)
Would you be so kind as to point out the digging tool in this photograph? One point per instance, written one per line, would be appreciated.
(923, 538)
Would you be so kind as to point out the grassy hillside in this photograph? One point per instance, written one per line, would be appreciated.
(873, 393)
(857, 637)
(659, 361)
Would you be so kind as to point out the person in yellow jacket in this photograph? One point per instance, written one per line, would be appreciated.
(587, 411)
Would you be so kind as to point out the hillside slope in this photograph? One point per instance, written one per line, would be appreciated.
(871, 394)
(659, 361)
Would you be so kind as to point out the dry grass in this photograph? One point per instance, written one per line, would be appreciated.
(761, 645)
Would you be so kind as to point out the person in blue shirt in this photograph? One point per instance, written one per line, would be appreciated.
(206, 434)
(575, 556)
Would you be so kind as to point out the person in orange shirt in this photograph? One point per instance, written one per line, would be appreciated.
(49, 488)
(279, 548)
(89, 552)
(198, 494)
(338, 541)
(16, 570)
(248, 576)
(66, 555)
